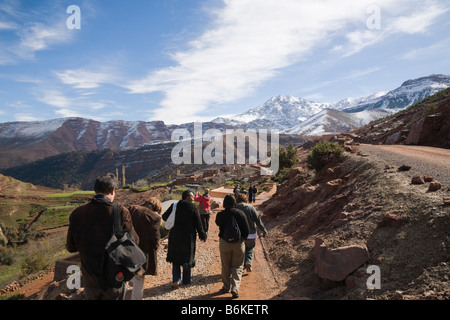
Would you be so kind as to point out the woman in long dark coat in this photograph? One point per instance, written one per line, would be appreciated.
(182, 238)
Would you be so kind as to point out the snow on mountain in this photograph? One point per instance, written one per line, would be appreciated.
(296, 115)
(327, 121)
(410, 92)
(29, 130)
(283, 111)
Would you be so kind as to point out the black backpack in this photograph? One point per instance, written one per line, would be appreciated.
(123, 258)
(231, 232)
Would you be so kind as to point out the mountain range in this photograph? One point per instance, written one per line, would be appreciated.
(24, 142)
(299, 116)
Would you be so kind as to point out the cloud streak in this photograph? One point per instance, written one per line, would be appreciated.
(28, 34)
(251, 41)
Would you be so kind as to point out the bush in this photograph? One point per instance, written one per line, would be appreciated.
(6, 257)
(35, 262)
(287, 157)
(323, 153)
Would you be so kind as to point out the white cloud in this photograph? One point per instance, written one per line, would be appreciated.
(4, 25)
(251, 41)
(54, 98)
(409, 21)
(82, 79)
(39, 36)
(28, 32)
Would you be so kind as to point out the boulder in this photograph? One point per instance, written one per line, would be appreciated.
(393, 220)
(434, 186)
(337, 264)
(417, 180)
(332, 185)
(446, 201)
(427, 178)
(404, 168)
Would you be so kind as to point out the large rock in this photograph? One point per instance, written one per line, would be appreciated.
(393, 220)
(434, 186)
(332, 185)
(337, 264)
(417, 180)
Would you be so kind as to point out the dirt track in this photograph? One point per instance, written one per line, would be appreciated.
(423, 160)
(206, 275)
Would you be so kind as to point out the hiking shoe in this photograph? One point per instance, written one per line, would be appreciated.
(224, 290)
(234, 295)
(248, 268)
(175, 285)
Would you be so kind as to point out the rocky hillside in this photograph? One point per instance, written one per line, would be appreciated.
(425, 123)
(355, 214)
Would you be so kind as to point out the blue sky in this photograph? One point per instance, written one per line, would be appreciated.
(194, 60)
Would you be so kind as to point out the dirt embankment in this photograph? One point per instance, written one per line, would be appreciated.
(362, 201)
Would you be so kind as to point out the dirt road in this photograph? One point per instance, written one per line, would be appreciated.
(423, 160)
(206, 275)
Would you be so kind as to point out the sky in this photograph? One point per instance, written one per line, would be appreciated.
(194, 60)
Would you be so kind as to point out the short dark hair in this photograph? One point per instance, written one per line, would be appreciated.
(106, 183)
(185, 194)
(229, 201)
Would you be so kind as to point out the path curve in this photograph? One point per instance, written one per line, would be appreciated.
(423, 160)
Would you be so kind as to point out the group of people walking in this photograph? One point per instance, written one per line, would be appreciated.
(90, 229)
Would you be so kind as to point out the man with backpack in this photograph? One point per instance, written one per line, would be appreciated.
(90, 229)
(233, 230)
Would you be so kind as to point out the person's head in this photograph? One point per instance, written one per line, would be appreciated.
(241, 198)
(154, 204)
(229, 201)
(188, 196)
(207, 191)
(106, 184)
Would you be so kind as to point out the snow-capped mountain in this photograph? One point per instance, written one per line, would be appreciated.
(22, 142)
(283, 111)
(410, 92)
(299, 116)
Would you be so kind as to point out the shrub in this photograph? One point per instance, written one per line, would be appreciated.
(322, 153)
(6, 257)
(35, 262)
(287, 157)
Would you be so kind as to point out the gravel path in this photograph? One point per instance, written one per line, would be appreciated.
(423, 160)
(206, 275)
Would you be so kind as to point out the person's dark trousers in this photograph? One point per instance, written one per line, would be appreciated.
(205, 222)
(176, 274)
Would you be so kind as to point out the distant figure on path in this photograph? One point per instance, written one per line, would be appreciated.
(204, 208)
(254, 192)
(182, 238)
(146, 222)
(236, 191)
(231, 253)
(250, 194)
(90, 228)
(254, 220)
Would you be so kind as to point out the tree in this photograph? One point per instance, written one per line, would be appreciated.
(288, 157)
(323, 153)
